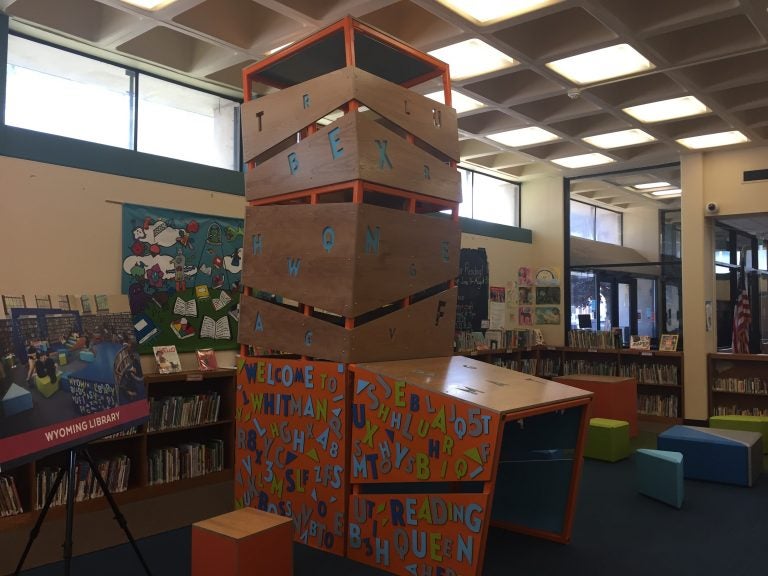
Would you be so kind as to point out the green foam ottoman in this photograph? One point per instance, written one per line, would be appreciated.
(757, 424)
(607, 439)
(45, 386)
(659, 475)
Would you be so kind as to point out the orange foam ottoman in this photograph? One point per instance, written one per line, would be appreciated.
(246, 541)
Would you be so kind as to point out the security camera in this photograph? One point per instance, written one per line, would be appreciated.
(574, 93)
(712, 208)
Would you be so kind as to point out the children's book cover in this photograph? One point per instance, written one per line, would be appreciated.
(69, 376)
(167, 359)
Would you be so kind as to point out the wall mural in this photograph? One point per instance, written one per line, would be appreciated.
(181, 272)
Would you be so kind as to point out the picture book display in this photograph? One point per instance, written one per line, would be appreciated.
(167, 359)
(639, 342)
(206, 359)
(668, 343)
(77, 377)
(182, 274)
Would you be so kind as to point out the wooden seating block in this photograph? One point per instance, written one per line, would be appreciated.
(423, 329)
(246, 541)
(347, 258)
(271, 119)
(615, 396)
(354, 147)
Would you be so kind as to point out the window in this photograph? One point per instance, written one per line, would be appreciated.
(42, 301)
(85, 303)
(10, 302)
(59, 92)
(489, 199)
(102, 303)
(595, 223)
(64, 302)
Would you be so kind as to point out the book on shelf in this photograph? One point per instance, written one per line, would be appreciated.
(221, 301)
(10, 504)
(167, 359)
(185, 307)
(216, 329)
(206, 359)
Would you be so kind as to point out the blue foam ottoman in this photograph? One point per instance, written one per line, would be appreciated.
(16, 400)
(659, 475)
(87, 356)
(727, 456)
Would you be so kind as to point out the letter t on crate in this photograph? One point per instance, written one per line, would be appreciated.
(234, 544)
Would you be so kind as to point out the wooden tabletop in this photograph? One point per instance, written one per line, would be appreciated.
(492, 387)
(242, 523)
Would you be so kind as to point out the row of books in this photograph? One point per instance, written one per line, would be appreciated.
(10, 504)
(468, 342)
(601, 340)
(734, 410)
(123, 433)
(576, 366)
(658, 405)
(115, 472)
(185, 461)
(745, 385)
(650, 373)
(179, 411)
(544, 367)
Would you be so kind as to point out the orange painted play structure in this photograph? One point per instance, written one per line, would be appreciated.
(366, 431)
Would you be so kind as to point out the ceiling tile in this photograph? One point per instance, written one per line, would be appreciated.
(233, 76)
(716, 38)
(515, 86)
(743, 96)
(729, 72)
(653, 151)
(471, 147)
(649, 15)
(317, 10)
(95, 21)
(555, 108)
(555, 35)
(243, 23)
(502, 160)
(556, 150)
(489, 122)
(590, 125)
(691, 126)
(411, 24)
(753, 117)
(649, 88)
(174, 49)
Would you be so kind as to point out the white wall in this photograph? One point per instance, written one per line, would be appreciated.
(641, 231)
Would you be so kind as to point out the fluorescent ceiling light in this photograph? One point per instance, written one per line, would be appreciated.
(485, 12)
(459, 101)
(713, 140)
(472, 57)
(611, 62)
(619, 139)
(275, 50)
(665, 193)
(651, 185)
(667, 109)
(583, 160)
(150, 4)
(523, 136)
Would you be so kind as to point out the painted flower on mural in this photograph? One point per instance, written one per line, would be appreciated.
(155, 276)
(137, 248)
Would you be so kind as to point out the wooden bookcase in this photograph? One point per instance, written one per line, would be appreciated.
(659, 375)
(138, 446)
(738, 384)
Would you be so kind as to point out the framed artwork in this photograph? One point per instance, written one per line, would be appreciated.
(639, 342)
(668, 343)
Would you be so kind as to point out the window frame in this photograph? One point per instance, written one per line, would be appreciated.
(595, 210)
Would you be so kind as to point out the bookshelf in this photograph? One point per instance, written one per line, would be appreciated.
(659, 375)
(202, 444)
(738, 384)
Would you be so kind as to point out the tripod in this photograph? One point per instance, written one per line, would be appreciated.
(71, 470)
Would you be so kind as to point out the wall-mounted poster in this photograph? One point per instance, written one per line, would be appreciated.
(525, 316)
(472, 303)
(181, 272)
(547, 276)
(547, 315)
(547, 295)
(524, 276)
(69, 376)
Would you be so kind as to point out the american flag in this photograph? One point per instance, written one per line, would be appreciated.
(742, 318)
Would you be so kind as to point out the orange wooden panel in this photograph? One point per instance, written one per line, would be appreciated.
(403, 433)
(492, 387)
(354, 147)
(291, 452)
(614, 396)
(232, 544)
(410, 534)
(347, 258)
(425, 328)
(272, 118)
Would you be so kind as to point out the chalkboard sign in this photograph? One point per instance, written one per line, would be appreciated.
(472, 306)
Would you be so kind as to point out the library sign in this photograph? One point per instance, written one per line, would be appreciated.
(291, 450)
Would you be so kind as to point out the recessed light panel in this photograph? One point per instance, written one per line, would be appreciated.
(667, 193)
(611, 62)
(459, 101)
(583, 160)
(523, 136)
(472, 57)
(714, 140)
(149, 4)
(651, 185)
(619, 139)
(485, 12)
(667, 109)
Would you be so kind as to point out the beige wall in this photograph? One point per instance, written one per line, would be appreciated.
(61, 228)
(641, 231)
